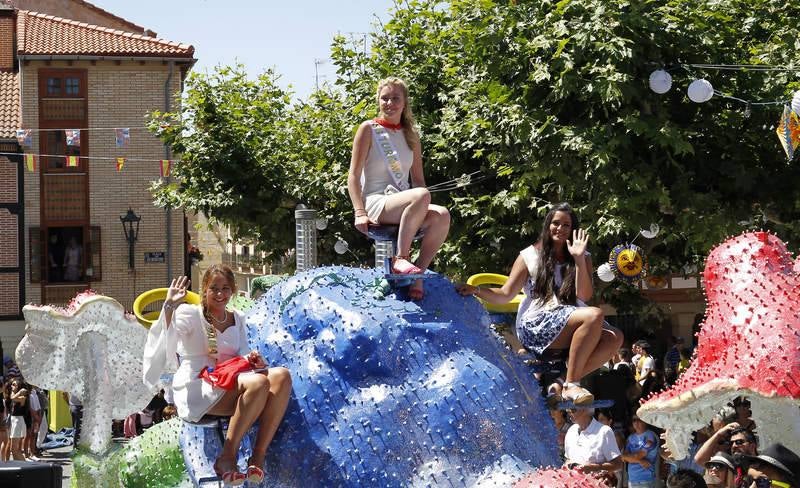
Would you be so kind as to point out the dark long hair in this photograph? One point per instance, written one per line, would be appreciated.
(544, 285)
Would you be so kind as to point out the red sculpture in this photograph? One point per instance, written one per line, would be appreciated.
(561, 478)
(749, 344)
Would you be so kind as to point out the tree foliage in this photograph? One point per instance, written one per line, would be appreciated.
(548, 98)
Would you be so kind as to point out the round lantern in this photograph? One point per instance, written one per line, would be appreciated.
(605, 273)
(700, 91)
(660, 81)
(341, 246)
(627, 262)
(796, 102)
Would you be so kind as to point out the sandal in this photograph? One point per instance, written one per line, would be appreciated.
(416, 292)
(577, 395)
(254, 473)
(401, 265)
(231, 477)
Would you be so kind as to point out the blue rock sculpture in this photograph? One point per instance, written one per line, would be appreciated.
(388, 392)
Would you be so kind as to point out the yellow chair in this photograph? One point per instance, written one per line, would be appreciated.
(495, 280)
(152, 296)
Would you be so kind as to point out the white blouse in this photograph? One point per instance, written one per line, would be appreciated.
(183, 347)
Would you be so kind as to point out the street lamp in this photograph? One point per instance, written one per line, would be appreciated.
(131, 232)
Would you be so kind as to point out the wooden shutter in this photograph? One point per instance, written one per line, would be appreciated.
(94, 262)
(37, 262)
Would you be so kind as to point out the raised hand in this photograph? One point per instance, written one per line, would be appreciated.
(176, 292)
(577, 246)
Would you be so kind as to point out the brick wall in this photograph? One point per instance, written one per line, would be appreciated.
(8, 181)
(9, 247)
(6, 42)
(118, 96)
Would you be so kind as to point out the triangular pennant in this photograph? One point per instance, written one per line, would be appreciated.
(24, 137)
(122, 137)
(120, 164)
(166, 165)
(73, 137)
(72, 161)
(30, 162)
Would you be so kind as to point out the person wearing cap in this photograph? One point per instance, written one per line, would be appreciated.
(744, 413)
(591, 447)
(721, 471)
(777, 464)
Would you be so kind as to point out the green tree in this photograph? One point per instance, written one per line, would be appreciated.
(549, 99)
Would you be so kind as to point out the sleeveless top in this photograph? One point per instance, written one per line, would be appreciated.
(533, 304)
(376, 174)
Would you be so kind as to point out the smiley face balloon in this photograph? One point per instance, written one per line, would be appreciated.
(628, 262)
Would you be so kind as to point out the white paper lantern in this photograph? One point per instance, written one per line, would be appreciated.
(605, 273)
(796, 102)
(649, 234)
(321, 223)
(700, 91)
(341, 246)
(660, 81)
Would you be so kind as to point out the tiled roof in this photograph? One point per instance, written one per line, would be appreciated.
(41, 34)
(9, 105)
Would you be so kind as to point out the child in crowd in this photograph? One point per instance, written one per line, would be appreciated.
(641, 453)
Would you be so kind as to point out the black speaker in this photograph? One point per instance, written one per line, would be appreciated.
(24, 474)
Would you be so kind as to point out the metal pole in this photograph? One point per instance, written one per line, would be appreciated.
(305, 237)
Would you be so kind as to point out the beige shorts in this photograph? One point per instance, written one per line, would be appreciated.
(18, 428)
(374, 206)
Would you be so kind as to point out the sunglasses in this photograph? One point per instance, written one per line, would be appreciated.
(768, 483)
(740, 442)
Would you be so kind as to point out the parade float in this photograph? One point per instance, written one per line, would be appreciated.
(389, 392)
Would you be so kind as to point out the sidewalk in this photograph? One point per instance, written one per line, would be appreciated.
(61, 456)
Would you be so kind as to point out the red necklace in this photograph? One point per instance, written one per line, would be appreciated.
(388, 124)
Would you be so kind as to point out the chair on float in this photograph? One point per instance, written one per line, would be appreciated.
(495, 280)
(147, 306)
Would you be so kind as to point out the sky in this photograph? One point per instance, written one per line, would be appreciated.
(293, 37)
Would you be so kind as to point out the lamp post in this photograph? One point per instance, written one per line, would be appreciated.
(131, 232)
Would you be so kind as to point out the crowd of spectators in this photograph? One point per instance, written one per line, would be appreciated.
(626, 452)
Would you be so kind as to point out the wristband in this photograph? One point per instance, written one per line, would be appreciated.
(360, 212)
(168, 306)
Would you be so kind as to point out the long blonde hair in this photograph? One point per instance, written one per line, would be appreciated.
(407, 116)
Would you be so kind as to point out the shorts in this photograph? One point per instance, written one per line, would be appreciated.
(17, 430)
(374, 206)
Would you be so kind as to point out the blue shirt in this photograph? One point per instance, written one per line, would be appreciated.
(647, 442)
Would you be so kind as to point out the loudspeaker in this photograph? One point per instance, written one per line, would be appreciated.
(23, 474)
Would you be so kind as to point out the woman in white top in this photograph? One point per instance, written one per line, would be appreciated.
(204, 336)
(385, 151)
(556, 273)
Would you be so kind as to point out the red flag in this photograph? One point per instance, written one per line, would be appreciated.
(120, 164)
(30, 162)
(72, 161)
(166, 164)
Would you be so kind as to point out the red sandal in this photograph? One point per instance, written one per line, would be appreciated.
(231, 477)
(254, 473)
(401, 265)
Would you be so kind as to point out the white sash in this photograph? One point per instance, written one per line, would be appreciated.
(389, 152)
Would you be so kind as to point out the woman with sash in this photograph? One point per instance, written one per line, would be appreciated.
(556, 274)
(218, 373)
(386, 151)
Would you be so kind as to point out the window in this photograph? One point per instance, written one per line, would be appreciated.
(53, 87)
(72, 87)
(55, 144)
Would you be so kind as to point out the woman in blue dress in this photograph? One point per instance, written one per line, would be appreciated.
(556, 274)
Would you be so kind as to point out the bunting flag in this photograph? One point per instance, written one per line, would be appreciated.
(72, 161)
(120, 164)
(30, 162)
(789, 131)
(73, 137)
(122, 137)
(166, 165)
(24, 137)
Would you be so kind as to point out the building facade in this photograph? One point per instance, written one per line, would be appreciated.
(60, 216)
